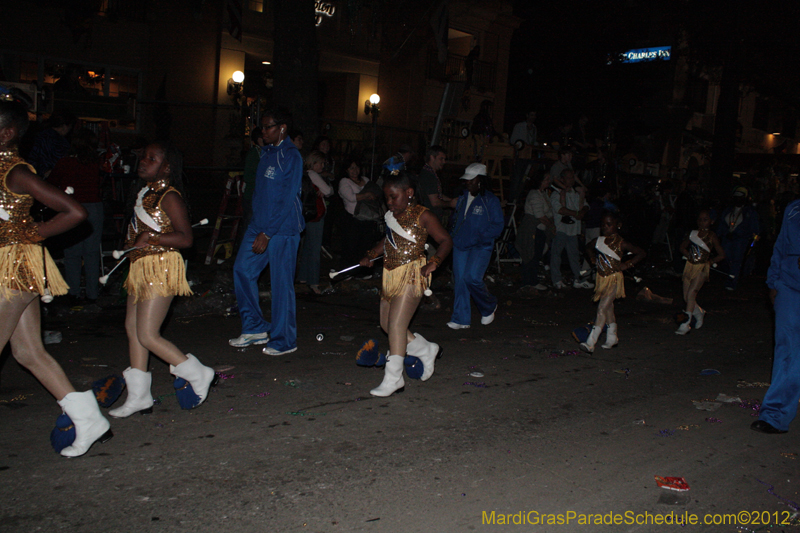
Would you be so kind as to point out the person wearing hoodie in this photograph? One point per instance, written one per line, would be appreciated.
(272, 238)
(478, 222)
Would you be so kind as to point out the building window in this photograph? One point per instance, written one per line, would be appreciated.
(256, 5)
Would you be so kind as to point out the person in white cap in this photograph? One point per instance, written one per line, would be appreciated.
(478, 222)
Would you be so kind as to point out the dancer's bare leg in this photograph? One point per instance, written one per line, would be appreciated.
(143, 324)
(23, 327)
(384, 310)
(690, 294)
(395, 318)
(605, 311)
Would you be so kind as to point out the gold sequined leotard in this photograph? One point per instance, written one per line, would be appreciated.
(698, 264)
(403, 258)
(606, 264)
(698, 254)
(609, 269)
(404, 251)
(155, 270)
(151, 196)
(21, 265)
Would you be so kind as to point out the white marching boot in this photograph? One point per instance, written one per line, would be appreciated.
(699, 315)
(425, 351)
(199, 376)
(685, 327)
(139, 399)
(588, 346)
(392, 377)
(611, 336)
(90, 425)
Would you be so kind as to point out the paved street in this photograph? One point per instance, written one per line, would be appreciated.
(296, 443)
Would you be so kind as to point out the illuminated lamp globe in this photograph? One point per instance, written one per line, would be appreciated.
(238, 76)
(374, 99)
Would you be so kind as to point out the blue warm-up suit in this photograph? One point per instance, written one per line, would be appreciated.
(780, 403)
(474, 231)
(737, 243)
(277, 213)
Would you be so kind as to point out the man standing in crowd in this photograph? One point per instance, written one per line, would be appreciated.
(430, 187)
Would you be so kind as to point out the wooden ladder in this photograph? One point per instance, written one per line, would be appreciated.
(233, 189)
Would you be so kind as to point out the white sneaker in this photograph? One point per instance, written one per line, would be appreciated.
(486, 320)
(246, 339)
(453, 325)
(540, 287)
(559, 285)
(273, 351)
(585, 284)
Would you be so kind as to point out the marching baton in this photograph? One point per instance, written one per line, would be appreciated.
(116, 254)
(334, 274)
(718, 271)
(636, 279)
(104, 279)
(47, 297)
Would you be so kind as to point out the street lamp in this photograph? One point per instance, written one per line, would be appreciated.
(371, 107)
(235, 85)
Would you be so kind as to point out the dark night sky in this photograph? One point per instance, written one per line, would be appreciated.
(558, 59)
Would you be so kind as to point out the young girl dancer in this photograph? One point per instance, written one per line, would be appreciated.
(26, 271)
(606, 253)
(158, 228)
(696, 248)
(405, 277)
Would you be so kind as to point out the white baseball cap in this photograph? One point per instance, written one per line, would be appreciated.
(474, 170)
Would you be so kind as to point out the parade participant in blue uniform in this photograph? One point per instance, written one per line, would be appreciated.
(478, 222)
(738, 228)
(783, 279)
(272, 238)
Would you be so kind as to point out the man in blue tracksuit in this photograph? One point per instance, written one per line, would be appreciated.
(737, 228)
(272, 238)
(783, 279)
(478, 222)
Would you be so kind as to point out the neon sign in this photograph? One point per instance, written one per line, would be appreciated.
(323, 9)
(661, 53)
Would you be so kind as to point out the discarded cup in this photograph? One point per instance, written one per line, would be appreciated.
(320, 336)
(476, 374)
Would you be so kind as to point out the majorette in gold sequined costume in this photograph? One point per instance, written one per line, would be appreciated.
(609, 263)
(699, 261)
(21, 264)
(155, 270)
(404, 257)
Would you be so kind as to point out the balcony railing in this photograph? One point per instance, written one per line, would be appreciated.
(455, 69)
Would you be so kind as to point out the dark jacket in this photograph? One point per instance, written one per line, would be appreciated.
(480, 225)
(277, 207)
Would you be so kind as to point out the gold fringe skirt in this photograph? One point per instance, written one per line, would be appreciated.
(694, 270)
(396, 280)
(605, 285)
(22, 269)
(157, 275)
